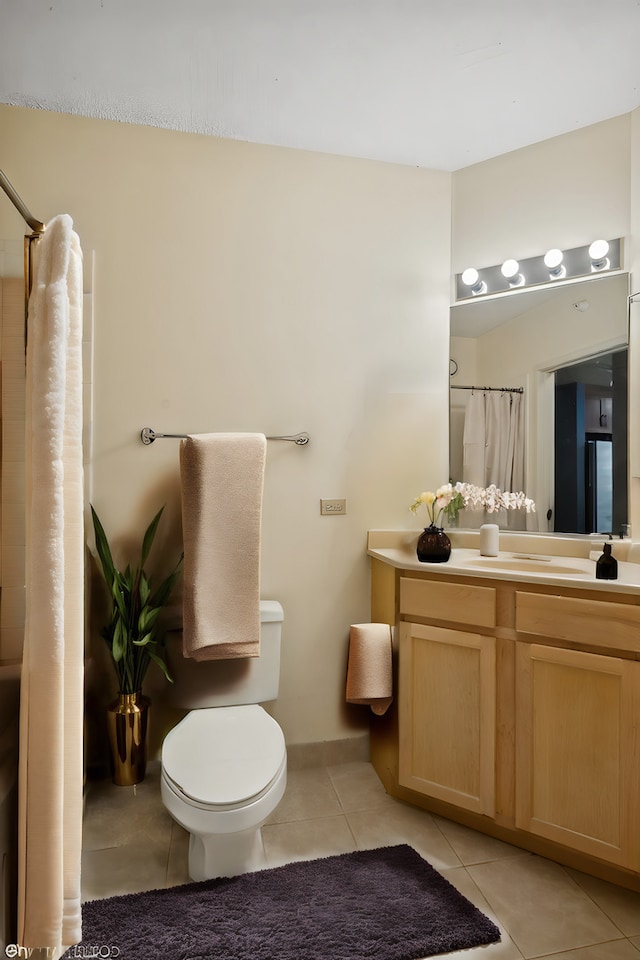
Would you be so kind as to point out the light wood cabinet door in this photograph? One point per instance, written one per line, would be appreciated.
(578, 750)
(447, 715)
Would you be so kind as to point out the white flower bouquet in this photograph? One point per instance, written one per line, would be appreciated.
(450, 499)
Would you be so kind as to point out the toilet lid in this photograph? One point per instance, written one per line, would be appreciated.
(224, 755)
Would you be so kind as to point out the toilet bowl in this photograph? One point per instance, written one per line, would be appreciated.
(224, 771)
(224, 765)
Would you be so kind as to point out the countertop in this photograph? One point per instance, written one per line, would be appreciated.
(553, 560)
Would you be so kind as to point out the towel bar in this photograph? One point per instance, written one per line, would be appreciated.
(148, 435)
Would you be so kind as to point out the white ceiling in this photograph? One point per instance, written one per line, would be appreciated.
(431, 83)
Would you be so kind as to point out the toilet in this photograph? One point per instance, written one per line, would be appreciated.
(224, 765)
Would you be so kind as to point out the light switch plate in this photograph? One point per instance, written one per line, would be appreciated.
(333, 508)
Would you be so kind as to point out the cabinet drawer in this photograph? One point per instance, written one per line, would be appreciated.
(457, 602)
(588, 622)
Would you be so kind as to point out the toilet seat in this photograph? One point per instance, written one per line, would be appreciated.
(223, 757)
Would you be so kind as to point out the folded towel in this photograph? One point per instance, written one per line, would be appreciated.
(369, 670)
(222, 477)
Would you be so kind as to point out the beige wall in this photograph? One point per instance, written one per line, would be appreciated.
(563, 192)
(243, 287)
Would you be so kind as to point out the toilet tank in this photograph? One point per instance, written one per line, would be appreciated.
(225, 683)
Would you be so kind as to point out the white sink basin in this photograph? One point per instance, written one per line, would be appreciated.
(542, 565)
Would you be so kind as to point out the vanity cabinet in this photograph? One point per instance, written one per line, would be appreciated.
(447, 715)
(447, 691)
(517, 712)
(577, 724)
(577, 717)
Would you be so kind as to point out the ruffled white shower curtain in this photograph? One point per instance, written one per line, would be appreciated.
(51, 709)
(494, 448)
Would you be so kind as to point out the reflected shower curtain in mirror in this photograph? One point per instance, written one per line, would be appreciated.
(494, 450)
(51, 708)
(474, 441)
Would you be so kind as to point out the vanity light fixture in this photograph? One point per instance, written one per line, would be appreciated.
(598, 252)
(554, 267)
(471, 279)
(510, 270)
(553, 262)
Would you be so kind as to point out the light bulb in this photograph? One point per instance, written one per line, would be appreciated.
(598, 252)
(471, 278)
(553, 262)
(510, 270)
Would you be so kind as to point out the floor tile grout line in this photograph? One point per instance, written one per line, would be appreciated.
(333, 787)
(500, 920)
(594, 902)
(447, 841)
(496, 917)
(353, 836)
(550, 956)
(167, 861)
(560, 953)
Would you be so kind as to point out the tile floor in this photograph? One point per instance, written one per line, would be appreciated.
(542, 909)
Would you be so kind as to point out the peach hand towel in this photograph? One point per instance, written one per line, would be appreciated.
(369, 669)
(222, 476)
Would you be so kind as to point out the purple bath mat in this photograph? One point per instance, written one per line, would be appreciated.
(383, 904)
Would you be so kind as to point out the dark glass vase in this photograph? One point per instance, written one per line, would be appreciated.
(434, 545)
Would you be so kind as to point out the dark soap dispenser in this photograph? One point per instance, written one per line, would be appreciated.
(607, 565)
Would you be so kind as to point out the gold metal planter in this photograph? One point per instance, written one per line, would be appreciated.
(127, 728)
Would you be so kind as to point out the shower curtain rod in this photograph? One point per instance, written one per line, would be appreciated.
(20, 206)
(148, 435)
(490, 389)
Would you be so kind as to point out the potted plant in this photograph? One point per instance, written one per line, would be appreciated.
(134, 642)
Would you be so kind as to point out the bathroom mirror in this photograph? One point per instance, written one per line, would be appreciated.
(558, 355)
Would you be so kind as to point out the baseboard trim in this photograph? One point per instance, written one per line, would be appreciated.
(327, 753)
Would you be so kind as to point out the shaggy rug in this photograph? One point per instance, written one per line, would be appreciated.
(383, 904)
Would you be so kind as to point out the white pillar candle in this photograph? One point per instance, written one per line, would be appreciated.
(489, 539)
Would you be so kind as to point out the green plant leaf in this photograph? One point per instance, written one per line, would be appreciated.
(104, 552)
(161, 663)
(143, 640)
(145, 588)
(118, 642)
(148, 618)
(163, 592)
(149, 537)
(118, 598)
(127, 578)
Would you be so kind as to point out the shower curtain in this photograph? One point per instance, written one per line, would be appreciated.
(494, 449)
(51, 708)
